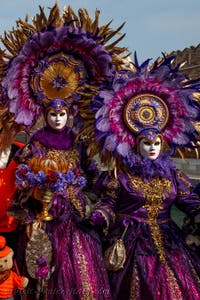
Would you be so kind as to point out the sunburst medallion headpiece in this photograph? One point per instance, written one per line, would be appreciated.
(55, 57)
(156, 97)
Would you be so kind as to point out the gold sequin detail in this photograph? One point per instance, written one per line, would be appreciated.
(196, 275)
(86, 292)
(172, 282)
(54, 160)
(154, 191)
(134, 283)
(111, 188)
(74, 201)
(182, 177)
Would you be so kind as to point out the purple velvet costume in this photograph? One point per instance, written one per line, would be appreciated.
(159, 264)
(80, 272)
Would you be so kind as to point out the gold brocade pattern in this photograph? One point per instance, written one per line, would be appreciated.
(64, 70)
(134, 284)
(170, 278)
(87, 290)
(154, 191)
(74, 201)
(39, 245)
(62, 161)
(196, 275)
(188, 185)
(172, 282)
(54, 160)
(112, 188)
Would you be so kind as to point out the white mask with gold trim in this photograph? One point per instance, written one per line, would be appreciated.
(150, 149)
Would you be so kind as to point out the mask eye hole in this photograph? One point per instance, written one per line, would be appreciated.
(53, 114)
(157, 143)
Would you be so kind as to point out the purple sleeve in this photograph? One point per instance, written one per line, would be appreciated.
(108, 189)
(187, 200)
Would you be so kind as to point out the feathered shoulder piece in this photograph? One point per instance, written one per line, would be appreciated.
(154, 96)
(55, 56)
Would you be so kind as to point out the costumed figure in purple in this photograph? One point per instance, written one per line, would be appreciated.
(56, 172)
(51, 66)
(140, 121)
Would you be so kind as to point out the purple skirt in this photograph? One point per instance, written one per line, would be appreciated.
(80, 272)
(146, 276)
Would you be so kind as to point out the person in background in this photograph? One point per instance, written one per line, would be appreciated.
(8, 149)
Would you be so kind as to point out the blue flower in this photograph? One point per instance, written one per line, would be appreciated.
(81, 181)
(40, 179)
(69, 177)
(57, 186)
(55, 181)
(30, 177)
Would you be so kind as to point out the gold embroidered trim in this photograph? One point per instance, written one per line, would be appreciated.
(54, 160)
(111, 188)
(154, 191)
(106, 218)
(172, 282)
(170, 278)
(108, 210)
(75, 202)
(87, 290)
(135, 283)
(196, 275)
(182, 177)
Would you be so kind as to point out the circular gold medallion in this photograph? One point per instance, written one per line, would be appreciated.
(145, 110)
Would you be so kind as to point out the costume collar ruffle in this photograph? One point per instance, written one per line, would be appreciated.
(149, 169)
(55, 139)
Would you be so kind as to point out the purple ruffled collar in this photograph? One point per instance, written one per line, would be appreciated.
(56, 139)
(148, 169)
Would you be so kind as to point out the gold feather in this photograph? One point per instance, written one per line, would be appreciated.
(83, 19)
(67, 16)
(96, 21)
(115, 42)
(73, 17)
(40, 20)
(114, 32)
(54, 17)
(105, 28)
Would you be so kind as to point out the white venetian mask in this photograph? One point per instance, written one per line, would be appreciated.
(149, 149)
(57, 120)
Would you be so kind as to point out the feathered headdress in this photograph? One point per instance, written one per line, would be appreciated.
(55, 57)
(155, 96)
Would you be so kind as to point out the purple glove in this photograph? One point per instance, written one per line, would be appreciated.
(97, 218)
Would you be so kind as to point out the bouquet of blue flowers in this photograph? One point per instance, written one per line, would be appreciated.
(55, 181)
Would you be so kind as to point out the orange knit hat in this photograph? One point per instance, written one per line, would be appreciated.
(4, 250)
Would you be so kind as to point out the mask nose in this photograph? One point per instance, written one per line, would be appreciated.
(152, 147)
(57, 117)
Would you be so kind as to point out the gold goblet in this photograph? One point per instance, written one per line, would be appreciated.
(45, 197)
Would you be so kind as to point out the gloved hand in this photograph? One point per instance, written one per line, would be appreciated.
(97, 218)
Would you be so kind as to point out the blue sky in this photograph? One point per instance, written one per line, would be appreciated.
(152, 26)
